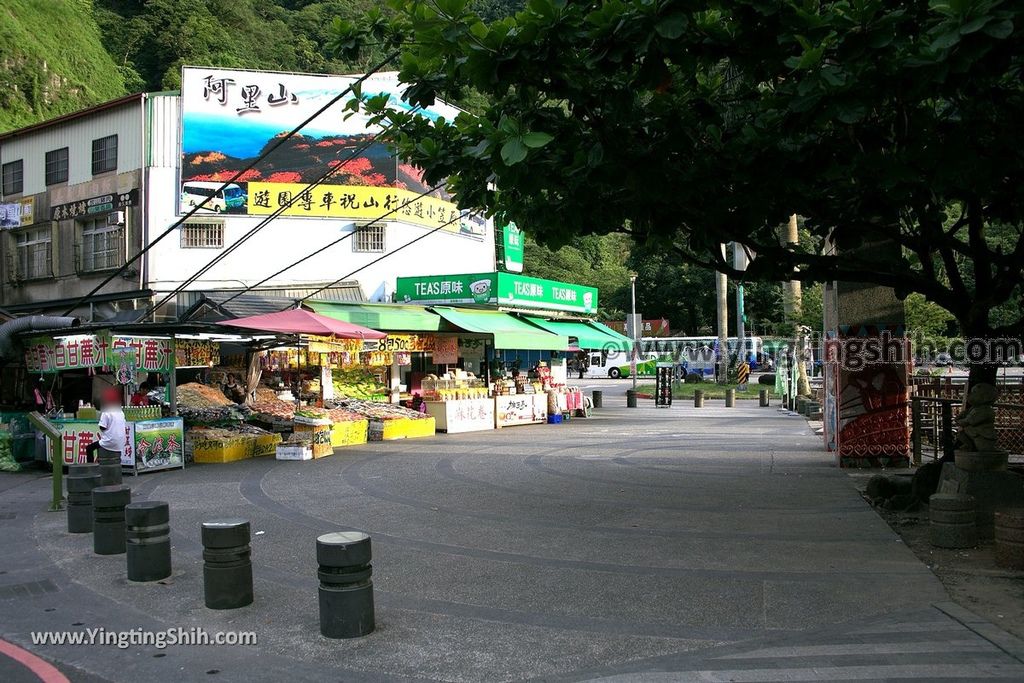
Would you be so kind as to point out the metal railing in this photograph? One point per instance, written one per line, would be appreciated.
(933, 429)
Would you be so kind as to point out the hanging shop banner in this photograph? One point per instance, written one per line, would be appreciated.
(92, 206)
(401, 342)
(446, 350)
(17, 214)
(502, 289)
(229, 117)
(513, 247)
(318, 344)
(190, 353)
(48, 354)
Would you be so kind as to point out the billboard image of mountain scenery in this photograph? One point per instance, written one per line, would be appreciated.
(230, 117)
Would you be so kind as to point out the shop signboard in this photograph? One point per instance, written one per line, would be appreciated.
(77, 435)
(190, 353)
(319, 344)
(94, 206)
(407, 343)
(229, 117)
(502, 289)
(520, 409)
(79, 351)
(468, 288)
(17, 214)
(446, 350)
(159, 444)
(512, 248)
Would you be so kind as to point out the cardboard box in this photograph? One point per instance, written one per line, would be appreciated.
(294, 452)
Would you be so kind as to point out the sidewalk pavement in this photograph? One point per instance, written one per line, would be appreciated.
(646, 544)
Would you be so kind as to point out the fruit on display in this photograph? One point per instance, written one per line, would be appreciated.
(195, 395)
(273, 409)
(360, 383)
(380, 411)
(7, 461)
(343, 415)
(312, 413)
(228, 413)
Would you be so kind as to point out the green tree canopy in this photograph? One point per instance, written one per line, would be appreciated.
(893, 127)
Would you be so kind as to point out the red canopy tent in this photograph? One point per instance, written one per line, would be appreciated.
(301, 321)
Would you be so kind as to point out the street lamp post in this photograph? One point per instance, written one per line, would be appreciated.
(636, 335)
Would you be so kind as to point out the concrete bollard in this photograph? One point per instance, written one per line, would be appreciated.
(108, 503)
(346, 586)
(698, 398)
(1009, 535)
(763, 398)
(630, 398)
(82, 479)
(110, 467)
(227, 567)
(597, 398)
(730, 398)
(148, 540)
(951, 521)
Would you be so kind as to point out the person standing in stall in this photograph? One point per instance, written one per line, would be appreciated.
(112, 425)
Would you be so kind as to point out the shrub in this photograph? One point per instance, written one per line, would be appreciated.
(694, 378)
(766, 379)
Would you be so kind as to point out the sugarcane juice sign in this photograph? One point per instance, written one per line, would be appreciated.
(77, 435)
(78, 351)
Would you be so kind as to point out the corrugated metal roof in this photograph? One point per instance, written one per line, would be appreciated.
(111, 104)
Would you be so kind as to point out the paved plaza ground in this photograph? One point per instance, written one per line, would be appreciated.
(681, 544)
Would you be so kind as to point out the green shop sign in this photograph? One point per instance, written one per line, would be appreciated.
(500, 289)
(99, 350)
(512, 248)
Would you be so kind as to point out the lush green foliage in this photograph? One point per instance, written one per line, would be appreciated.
(691, 124)
(51, 61)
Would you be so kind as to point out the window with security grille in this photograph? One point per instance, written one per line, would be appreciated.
(33, 253)
(13, 177)
(57, 166)
(102, 245)
(202, 236)
(369, 238)
(104, 154)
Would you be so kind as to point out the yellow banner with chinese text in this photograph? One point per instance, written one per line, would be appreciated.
(356, 202)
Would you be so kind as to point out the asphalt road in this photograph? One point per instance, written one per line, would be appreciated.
(647, 544)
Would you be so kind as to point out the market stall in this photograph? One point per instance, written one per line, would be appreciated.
(458, 401)
(101, 359)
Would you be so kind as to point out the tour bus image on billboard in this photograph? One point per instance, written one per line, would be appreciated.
(230, 117)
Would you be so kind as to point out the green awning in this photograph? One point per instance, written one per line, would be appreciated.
(625, 341)
(587, 335)
(509, 332)
(383, 317)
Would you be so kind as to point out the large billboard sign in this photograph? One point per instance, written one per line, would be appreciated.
(498, 289)
(230, 117)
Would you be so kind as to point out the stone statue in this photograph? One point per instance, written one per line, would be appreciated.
(978, 421)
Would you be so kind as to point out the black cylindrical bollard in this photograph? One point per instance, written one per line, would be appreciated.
(698, 398)
(110, 466)
(630, 398)
(346, 586)
(227, 567)
(764, 398)
(598, 397)
(730, 398)
(148, 540)
(108, 518)
(82, 479)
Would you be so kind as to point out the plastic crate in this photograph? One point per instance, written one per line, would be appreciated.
(554, 419)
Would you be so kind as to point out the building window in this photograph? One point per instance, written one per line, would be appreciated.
(202, 236)
(102, 245)
(57, 166)
(104, 154)
(369, 238)
(13, 177)
(34, 253)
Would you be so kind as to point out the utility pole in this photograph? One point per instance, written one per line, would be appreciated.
(722, 283)
(739, 262)
(793, 305)
(635, 331)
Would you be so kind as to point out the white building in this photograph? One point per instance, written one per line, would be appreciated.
(83, 193)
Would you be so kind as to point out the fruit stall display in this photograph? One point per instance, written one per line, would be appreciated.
(203, 404)
(227, 444)
(360, 383)
(388, 421)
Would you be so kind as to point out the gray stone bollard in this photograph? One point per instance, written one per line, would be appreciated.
(951, 521)
(82, 479)
(148, 540)
(108, 503)
(630, 398)
(1009, 535)
(598, 398)
(698, 398)
(227, 566)
(730, 398)
(763, 398)
(110, 467)
(346, 586)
